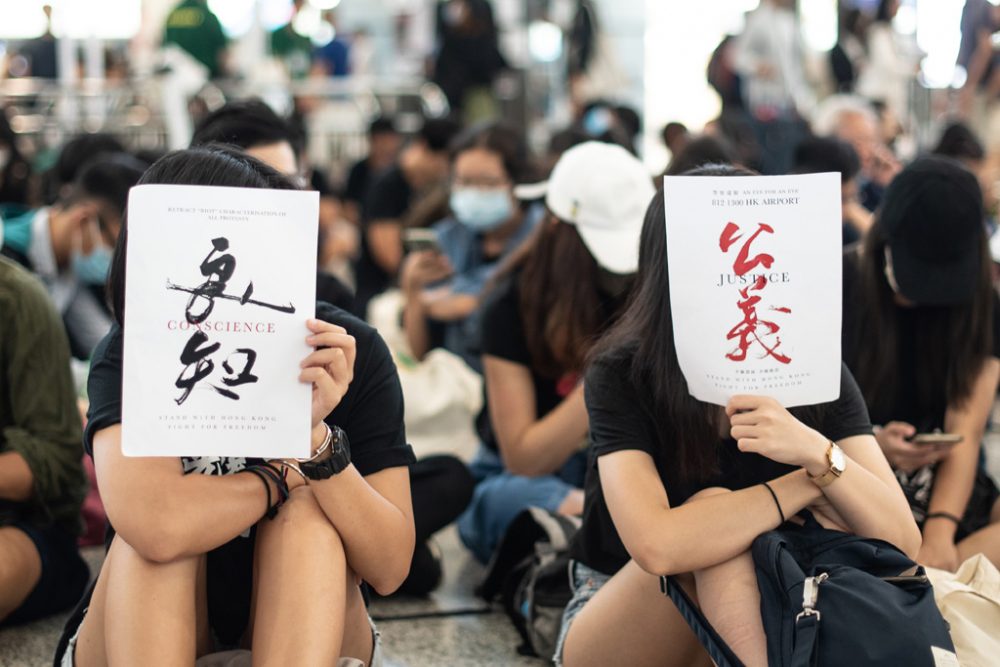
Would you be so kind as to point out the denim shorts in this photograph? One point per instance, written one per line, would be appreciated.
(586, 583)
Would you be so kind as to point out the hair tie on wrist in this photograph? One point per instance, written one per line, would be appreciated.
(944, 515)
(272, 510)
(777, 504)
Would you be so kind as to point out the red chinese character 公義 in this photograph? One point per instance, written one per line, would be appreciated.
(752, 329)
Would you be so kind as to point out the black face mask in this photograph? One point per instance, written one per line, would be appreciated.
(615, 285)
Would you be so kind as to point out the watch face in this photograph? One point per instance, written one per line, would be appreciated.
(837, 459)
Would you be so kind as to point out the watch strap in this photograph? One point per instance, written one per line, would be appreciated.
(339, 459)
(832, 473)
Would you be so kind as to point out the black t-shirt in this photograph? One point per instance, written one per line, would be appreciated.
(925, 415)
(371, 413)
(619, 420)
(503, 337)
(358, 181)
(330, 289)
(388, 198)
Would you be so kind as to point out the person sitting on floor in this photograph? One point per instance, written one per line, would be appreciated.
(549, 303)
(922, 335)
(68, 245)
(42, 483)
(680, 487)
(179, 571)
(420, 167)
(441, 485)
(443, 286)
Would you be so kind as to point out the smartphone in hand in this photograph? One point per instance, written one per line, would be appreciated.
(937, 438)
(421, 240)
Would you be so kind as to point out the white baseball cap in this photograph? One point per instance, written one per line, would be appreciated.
(604, 191)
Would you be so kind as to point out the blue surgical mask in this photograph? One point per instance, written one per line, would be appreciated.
(481, 210)
(93, 269)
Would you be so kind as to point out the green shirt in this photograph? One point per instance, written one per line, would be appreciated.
(194, 28)
(292, 48)
(38, 413)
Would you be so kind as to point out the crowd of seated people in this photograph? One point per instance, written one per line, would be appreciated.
(545, 275)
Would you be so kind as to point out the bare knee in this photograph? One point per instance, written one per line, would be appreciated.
(19, 559)
(303, 520)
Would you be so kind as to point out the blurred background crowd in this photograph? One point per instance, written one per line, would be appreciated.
(427, 127)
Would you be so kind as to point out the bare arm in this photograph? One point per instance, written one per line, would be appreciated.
(956, 473)
(867, 495)
(374, 518)
(666, 540)
(419, 270)
(529, 445)
(16, 481)
(868, 483)
(160, 512)
(386, 244)
(372, 514)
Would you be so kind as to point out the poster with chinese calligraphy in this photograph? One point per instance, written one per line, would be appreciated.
(755, 285)
(219, 285)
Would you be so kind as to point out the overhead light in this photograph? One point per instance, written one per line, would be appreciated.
(545, 41)
(324, 4)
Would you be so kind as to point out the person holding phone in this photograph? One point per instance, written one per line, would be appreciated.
(446, 269)
(541, 316)
(213, 552)
(921, 334)
(676, 486)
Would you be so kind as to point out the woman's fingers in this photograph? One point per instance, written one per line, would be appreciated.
(740, 432)
(323, 384)
(331, 339)
(322, 326)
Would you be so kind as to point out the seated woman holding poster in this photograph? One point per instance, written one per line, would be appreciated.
(681, 487)
(194, 559)
(550, 302)
(921, 335)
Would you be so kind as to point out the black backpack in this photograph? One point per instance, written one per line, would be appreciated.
(529, 575)
(830, 598)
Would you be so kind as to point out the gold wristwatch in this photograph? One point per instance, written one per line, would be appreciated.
(838, 461)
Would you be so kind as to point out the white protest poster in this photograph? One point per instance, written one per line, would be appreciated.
(219, 285)
(755, 268)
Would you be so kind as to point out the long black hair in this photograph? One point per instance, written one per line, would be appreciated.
(643, 339)
(950, 342)
(212, 165)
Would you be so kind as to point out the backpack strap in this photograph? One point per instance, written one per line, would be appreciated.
(806, 651)
(718, 650)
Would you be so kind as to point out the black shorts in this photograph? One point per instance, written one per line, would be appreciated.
(64, 574)
(980, 507)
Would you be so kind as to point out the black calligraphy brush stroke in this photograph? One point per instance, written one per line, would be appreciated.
(290, 308)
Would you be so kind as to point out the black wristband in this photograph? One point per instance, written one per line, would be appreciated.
(267, 472)
(944, 515)
(280, 479)
(272, 510)
(777, 504)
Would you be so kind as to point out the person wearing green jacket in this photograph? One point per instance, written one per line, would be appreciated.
(42, 482)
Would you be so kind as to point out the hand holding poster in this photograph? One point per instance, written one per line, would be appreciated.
(220, 283)
(755, 285)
